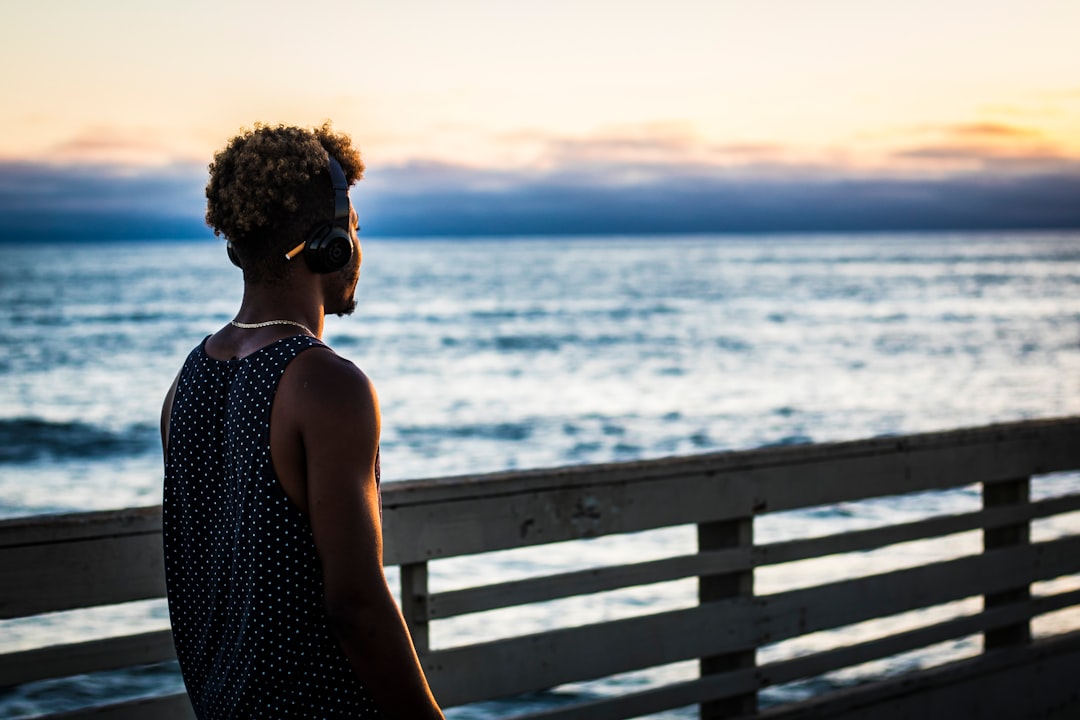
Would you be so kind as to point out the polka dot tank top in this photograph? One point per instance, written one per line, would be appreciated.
(244, 581)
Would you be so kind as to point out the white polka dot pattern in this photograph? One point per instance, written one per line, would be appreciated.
(243, 578)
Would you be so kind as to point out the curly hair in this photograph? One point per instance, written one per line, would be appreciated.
(270, 188)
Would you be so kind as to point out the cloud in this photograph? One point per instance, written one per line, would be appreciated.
(633, 155)
(98, 145)
(665, 178)
(592, 196)
(690, 200)
(661, 144)
(990, 130)
(101, 201)
(1037, 158)
(980, 147)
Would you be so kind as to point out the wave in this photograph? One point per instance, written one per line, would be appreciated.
(548, 342)
(795, 439)
(485, 431)
(28, 440)
(624, 312)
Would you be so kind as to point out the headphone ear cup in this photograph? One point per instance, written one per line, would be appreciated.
(233, 257)
(328, 250)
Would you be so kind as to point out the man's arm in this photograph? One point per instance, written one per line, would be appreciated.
(338, 420)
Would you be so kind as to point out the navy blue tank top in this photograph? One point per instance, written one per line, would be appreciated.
(243, 578)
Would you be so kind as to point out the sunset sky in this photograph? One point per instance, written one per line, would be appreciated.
(455, 104)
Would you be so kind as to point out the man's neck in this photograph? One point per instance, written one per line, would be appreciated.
(262, 303)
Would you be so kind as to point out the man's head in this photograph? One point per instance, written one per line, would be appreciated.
(270, 188)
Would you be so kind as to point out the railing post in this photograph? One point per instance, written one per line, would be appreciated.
(724, 535)
(414, 595)
(996, 494)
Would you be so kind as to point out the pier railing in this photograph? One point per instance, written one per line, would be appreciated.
(75, 561)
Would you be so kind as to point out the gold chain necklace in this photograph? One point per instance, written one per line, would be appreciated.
(253, 326)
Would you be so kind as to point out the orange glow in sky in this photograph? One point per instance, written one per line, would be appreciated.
(917, 85)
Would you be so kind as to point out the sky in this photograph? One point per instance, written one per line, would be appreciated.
(488, 117)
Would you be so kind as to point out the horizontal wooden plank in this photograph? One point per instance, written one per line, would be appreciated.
(76, 658)
(846, 602)
(740, 681)
(820, 663)
(533, 662)
(824, 607)
(1008, 677)
(153, 647)
(1053, 436)
(565, 503)
(29, 570)
(810, 610)
(82, 573)
(542, 660)
(859, 540)
(585, 582)
(1052, 506)
(654, 700)
(501, 512)
(415, 533)
(87, 657)
(162, 707)
(45, 529)
(995, 454)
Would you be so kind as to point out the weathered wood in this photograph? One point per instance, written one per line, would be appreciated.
(739, 682)
(93, 656)
(915, 466)
(859, 540)
(417, 533)
(46, 529)
(585, 582)
(715, 536)
(432, 519)
(535, 662)
(414, 603)
(823, 607)
(1010, 493)
(1047, 445)
(163, 707)
(91, 559)
(819, 663)
(1014, 683)
(81, 573)
(653, 700)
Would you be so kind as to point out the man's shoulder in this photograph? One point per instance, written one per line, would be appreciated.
(322, 358)
(323, 376)
(325, 396)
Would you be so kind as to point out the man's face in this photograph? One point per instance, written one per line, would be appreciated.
(343, 293)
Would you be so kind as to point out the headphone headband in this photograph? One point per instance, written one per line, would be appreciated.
(341, 192)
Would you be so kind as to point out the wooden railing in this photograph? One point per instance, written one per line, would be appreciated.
(92, 559)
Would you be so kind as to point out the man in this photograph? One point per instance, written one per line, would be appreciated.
(272, 522)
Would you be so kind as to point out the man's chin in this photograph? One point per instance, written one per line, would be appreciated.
(349, 309)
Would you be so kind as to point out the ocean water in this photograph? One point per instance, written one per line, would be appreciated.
(520, 353)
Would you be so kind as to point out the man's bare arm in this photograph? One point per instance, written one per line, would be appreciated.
(338, 419)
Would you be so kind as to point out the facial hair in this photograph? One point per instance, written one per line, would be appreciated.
(349, 309)
(349, 281)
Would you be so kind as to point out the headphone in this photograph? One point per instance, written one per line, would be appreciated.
(329, 247)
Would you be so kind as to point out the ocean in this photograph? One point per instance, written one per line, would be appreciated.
(511, 353)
